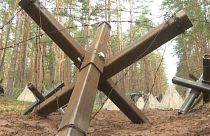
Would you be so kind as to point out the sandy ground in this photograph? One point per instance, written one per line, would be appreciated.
(112, 123)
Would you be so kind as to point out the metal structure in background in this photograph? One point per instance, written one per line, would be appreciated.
(35, 92)
(41, 98)
(197, 87)
(206, 76)
(95, 70)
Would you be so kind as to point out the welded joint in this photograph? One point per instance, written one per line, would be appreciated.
(94, 58)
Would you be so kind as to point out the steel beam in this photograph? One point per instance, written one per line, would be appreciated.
(140, 47)
(137, 50)
(190, 100)
(206, 69)
(54, 90)
(191, 84)
(206, 76)
(119, 99)
(35, 92)
(76, 119)
(53, 29)
(148, 43)
(46, 96)
(201, 85)
(91, 66)
(61, 98)
(54, 102)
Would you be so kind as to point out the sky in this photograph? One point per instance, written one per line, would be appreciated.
(157, 16)
(169, 57)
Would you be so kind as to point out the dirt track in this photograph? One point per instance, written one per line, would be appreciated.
(111, 123)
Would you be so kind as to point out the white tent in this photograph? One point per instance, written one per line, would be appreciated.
(187, 93)
(140, 103)
(109, 105)
(26, 95)
(152, 103)
(171, 99)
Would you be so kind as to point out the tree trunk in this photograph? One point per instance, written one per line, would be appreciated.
(13, 62)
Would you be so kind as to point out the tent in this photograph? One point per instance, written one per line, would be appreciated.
(152, 103)
(26, 95)
(109, 105)
(187, 93)
(171, 99)
(140, 103)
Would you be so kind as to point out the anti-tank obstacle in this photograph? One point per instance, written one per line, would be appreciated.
(201, 86)
(93, 63)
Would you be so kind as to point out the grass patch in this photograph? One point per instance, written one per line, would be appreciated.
(9, 104)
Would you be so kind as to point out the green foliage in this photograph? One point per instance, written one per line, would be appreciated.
(9, 105)
(192, 45)
(77, 21)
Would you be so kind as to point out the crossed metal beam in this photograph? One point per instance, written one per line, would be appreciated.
(95, 71)
(40, 97)
(197, 88)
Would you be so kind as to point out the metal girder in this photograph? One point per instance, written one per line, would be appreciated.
(46, 96)
(190, 100)
(35, 92)
(206, 69)
(54, 102)
(125, 105)
(206, 76)
(76, 119)
(143, 46)
(53, 90)
(199, 86)
(53, 29)
(80, 106)
(147, 43)
(61, 98)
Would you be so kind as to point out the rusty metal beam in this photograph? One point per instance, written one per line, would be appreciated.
(206, 76)
(120, 100)
(76, 119)
(201, 85)
(148, 43)
(46, 96)
(139, 47)
(35, 92)
(53, 90)
(190, 100)
(53, 29)
(61, 98)
(54, 102)
(198, 86)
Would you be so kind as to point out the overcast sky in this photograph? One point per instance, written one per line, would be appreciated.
(169, 57)
(157, 16)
